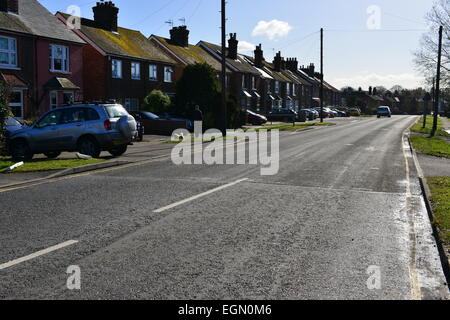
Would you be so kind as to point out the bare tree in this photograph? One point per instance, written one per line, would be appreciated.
(426, 57)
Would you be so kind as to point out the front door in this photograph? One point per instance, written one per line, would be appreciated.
(16, 103)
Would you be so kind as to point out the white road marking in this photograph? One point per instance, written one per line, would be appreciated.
(179, 203)
(37, 254)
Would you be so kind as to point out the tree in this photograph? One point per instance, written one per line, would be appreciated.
(4, 112)
(199, 85)
(157, 102)
(426, 57)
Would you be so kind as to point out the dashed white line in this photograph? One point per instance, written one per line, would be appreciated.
(37, 254)
(179, 203)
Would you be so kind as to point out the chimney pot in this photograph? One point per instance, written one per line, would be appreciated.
(180, 36)
(106, 15)
(233, 46)
(9, 6)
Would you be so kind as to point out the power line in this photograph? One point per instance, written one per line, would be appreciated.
(195, 10)
(155, 12)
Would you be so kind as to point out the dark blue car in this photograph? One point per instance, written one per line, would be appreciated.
(12, 125)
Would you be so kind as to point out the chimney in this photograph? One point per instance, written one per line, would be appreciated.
(292, 64)
(259, 56)
(106, 15)
(370, 91)
(179, 36)
(278, 62)
(9, 6)
(233, 46)
(309, 70)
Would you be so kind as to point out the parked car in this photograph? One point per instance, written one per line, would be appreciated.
(341, 113)
(284, 115)
(354, 112)
(333, 113)
(310, 114)
(12, 125)
(326, 113)
(255, 119)
(168, 116)
(154, 124)
(88, 129)
(384, 112)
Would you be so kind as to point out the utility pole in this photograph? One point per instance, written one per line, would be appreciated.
(321, 75)
(438, 79)
(223, 113)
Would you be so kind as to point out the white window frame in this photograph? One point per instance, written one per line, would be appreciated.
(65, 58)
(243, 82)
(136, 71)
(12, 53)
(17, 104)
(253, 83)
(53, 105)
(167, 71)
(71, 93)
(277, 87)
(294, 94)
(153, 70)
(119, 65)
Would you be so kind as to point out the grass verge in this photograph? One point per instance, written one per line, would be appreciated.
(429, 127)
(45, 164)
(440, 199)
(431, 146)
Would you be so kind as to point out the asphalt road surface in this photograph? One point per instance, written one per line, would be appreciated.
(343, 219)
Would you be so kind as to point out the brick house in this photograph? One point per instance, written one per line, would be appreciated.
(121, 64)
(245, 83)
(40, 58)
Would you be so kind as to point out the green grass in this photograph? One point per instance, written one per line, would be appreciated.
(431, 146)
(45, 164)
(440, 199)
(429, 127)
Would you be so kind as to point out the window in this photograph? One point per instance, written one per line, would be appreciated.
(153, 72)
(116, 69)
(16, 103)
(253, 83)
(8, 52)
(51, 119)
(293, 90)
(168, 74)
(132, 104)
(277, 87)
(116, 110)
(135, 71)
(59, 58)
(53, 99)
(243, 81)
(68, 98)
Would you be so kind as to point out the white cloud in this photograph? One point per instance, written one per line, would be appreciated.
(244, 47)
(272, 29)
(406, 80)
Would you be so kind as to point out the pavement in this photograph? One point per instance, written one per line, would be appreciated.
(344, 212)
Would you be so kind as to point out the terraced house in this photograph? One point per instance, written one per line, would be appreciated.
(121, 64)
(245, 80)
(40, 58)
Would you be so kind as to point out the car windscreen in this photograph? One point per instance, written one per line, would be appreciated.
(149, 115)
(11, 122)
(116, 111)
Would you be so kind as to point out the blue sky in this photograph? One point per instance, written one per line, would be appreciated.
(354, 54)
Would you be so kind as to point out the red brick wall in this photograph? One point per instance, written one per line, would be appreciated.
(44, 74)
(95, 73)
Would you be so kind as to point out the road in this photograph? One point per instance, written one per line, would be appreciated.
(345, 201)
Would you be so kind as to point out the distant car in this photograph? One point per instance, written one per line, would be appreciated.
(284, 115)
(255, 119)
(88, 129)
(168, 116)
(354, 112)
(326, 112)
(310, 114)
(384, 112)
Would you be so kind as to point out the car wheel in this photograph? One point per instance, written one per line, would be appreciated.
(117, 152)
(89, 147)
(52, 155)
(20, 151)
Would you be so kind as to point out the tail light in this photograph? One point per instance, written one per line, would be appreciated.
(107, 125)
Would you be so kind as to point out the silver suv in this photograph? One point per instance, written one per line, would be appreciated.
(88, 129)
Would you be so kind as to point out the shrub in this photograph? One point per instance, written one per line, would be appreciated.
(4, 113)
(157, 102)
